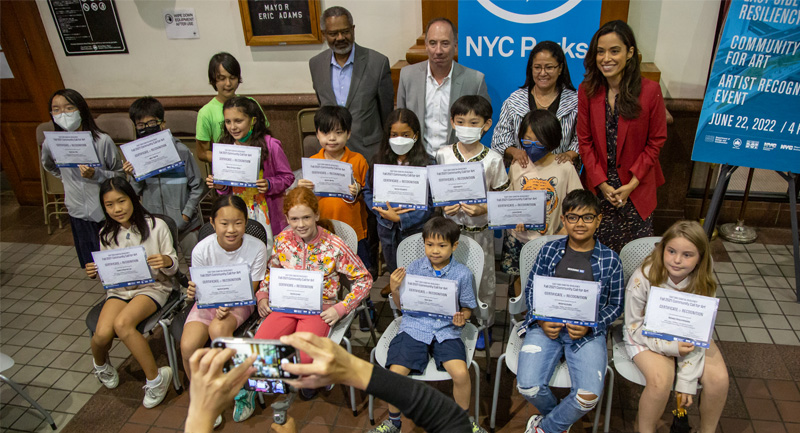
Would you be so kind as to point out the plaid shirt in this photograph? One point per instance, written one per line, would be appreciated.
(424, 329)
(606, 268)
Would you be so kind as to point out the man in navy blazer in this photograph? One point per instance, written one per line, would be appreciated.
(429, 88)
(354, 77)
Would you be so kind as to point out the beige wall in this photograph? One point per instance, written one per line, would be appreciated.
(156, 65)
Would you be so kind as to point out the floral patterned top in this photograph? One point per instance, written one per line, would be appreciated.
(326, 253)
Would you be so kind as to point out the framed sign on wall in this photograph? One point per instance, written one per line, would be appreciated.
(280, 22)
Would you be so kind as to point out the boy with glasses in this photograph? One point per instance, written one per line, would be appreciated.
(578, 256)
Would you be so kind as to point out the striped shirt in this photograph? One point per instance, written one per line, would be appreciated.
(606, 268)
(516, 107)
(424, 329)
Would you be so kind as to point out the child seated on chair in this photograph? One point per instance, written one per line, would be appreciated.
(578, 256)
(419, 336)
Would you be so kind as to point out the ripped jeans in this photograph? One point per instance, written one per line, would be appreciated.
(540, 355)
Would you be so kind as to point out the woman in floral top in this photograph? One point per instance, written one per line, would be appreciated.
(307, 244)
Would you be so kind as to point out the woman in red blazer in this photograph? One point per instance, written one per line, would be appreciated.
(621, 128)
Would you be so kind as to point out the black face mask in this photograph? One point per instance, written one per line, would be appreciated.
(147, 130)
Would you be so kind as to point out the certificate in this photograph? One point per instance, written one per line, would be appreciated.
(152, 155)
(331, 178)
(431, 297)
(223, 286)
(509, 208)
(295, 291)
(235, 165)
(71, 149)
(403, 186)
(678, 316)
(457, 183)
(565, 300)
(122, 267)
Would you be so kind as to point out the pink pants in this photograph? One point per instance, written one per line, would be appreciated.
(278, 324)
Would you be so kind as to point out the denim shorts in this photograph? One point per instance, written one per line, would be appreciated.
(406, 351)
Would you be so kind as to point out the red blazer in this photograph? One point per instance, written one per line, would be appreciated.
(639, 142)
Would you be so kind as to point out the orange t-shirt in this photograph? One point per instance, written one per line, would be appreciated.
(335, 208)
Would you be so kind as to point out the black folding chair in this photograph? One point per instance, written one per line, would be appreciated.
(147, 325)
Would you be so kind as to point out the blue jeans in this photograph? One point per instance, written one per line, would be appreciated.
(540, 355)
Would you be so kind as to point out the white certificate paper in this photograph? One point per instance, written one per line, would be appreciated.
(235, 165)
(152, 155)
(457, 183)
(122, 267)
(331, 178)
(426, 296)
(509, 208)
(223, 286)
(295, 291)
(71, 149)
(403, 186)
(565, 300)
(678, 316)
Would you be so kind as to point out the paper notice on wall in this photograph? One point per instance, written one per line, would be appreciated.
(181, 23)
(5, 70)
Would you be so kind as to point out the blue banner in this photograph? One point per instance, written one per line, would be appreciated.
(496, 36)
(751, 110)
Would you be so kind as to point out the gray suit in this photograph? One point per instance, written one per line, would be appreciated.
(371, 96)
(411, 91)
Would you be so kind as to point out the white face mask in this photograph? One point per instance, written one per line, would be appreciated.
(468, 134)
(68, 121)
(401, 145)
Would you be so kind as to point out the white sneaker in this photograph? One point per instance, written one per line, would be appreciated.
(153, 395)
(108, 377)
(533, 423)
(218, 421)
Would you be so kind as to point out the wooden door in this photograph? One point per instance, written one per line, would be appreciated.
(24, 98)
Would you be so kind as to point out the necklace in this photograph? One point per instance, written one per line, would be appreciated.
(539, 103)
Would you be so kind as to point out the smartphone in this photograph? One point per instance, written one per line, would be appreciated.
(270, 357)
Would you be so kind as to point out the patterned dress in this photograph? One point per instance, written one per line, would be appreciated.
(619, 225)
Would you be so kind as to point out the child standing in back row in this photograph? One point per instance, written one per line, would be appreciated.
(471, 116)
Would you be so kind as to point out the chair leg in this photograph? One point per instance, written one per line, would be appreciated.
(477, 390)
(172, 356)
(487, 349)
(371, 329)
(261, 401)
(33, 402)
(496, 393)
(610, 392)
(349, 348)
(371, 399)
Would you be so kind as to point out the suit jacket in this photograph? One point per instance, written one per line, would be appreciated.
(639, 143)
(411, 91)
(371, 96)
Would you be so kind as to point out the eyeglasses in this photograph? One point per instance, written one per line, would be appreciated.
(150, 124)
(572, 218)
(547, 68)
(333, 34)
(529, 143)
(58, 110)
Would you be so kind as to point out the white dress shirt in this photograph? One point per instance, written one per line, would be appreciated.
(437, 111)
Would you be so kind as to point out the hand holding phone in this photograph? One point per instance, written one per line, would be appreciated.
(270, 357)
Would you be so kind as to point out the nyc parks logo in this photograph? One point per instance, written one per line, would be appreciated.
(528, 11)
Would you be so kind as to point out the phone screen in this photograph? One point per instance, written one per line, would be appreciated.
(269, 359)
(271, 386)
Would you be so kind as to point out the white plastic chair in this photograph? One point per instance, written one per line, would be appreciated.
(52, 187)
(468, 253)
(634, 252)
(7, 362)
(516, 306)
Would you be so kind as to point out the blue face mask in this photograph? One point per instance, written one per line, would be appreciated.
(534, 149)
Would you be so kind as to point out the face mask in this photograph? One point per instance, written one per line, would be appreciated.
(468, 134)
(246, 137)
(147, 130)
(534, 149)
(68, 121)
(401, 145)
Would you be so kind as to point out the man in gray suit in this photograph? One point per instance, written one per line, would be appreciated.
(428, 88)
(354, 77)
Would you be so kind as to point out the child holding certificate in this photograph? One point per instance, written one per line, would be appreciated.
(540, 135)
(471, 117)
(176, 192)
(401, 146)
(334, 124)
(308, 245)
(128, 224)
(579, 257)
(246, 125)
(681, 261)
(70, 112)
(224, 75)
(421, 335)
(230, 245)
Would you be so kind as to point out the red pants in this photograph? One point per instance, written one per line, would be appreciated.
(278, 324)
